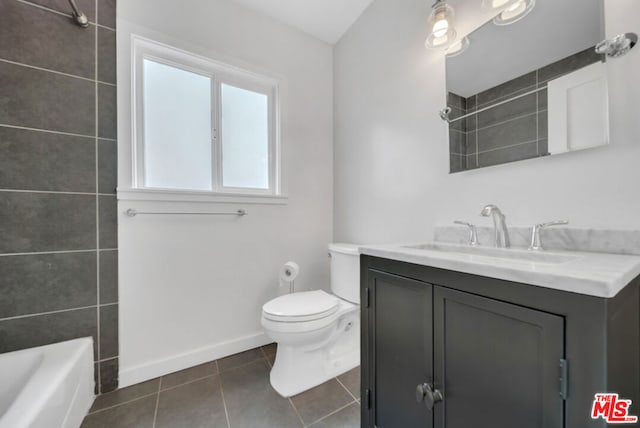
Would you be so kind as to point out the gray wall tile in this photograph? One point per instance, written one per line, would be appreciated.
(36, 222)
(543, 99)
(472, 103)
(108, 222)
(543, 147)
(106, 55)
(456, 163)
(108, 331)
(39, 283)
(513, 132)
(107, 166)
(88, 7)
(34, 160)
(543, 125)
(457, 142)
(107, 13)
(108, 276)
(507, 111)
(509, 154)
(472, 122)
(107, 127)
(472, 140)
(40, 99)
(456, 101)
(45, 162)
(28, 332)
(34, 36)
(513, 87)
(472, 161)
(108, 375)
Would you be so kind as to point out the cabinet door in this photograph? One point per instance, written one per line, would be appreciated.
(496, 363)
(400, 353)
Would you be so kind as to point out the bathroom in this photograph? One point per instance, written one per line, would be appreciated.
(146, 288)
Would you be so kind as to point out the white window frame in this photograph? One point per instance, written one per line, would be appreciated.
(219, 74)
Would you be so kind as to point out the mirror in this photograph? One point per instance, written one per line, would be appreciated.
(532, 88)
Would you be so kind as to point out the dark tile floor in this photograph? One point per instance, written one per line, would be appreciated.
(233, 392)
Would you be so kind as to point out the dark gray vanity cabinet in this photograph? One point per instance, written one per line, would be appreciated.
(402, 341)
(445, 349)
(496, 363)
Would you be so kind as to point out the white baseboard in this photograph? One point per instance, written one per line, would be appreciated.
(153, 369)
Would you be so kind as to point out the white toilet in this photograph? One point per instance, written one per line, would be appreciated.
(318, 334)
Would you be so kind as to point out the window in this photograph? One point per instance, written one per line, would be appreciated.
(202, 126)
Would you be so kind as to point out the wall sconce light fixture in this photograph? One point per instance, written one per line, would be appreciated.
(442, 32)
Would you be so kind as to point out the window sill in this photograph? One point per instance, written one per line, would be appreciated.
(162, 195)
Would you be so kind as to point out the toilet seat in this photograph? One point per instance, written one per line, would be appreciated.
(301, 306)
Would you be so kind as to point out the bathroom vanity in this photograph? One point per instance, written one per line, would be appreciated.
(459, 337)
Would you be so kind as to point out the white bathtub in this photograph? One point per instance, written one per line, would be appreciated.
(47, 387)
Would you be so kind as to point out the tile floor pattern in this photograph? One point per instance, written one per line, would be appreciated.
(233, 392)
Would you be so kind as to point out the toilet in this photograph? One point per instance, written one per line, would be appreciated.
(318, 333)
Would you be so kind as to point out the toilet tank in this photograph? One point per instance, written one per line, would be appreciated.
(345, 271)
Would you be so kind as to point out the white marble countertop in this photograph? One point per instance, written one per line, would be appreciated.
(589, 273)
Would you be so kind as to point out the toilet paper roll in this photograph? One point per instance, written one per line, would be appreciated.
(289, 271)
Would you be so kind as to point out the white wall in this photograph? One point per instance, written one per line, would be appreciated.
(191, 288)
(391, 152)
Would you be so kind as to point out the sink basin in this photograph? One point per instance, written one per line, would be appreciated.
(497, 253)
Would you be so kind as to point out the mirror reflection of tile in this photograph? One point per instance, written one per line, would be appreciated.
(508, 122)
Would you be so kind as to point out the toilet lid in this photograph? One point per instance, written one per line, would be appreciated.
(301, 306)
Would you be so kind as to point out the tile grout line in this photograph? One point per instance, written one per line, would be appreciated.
(264, 354)
(57, 192)
(224, 401)
(295, 409)
(49, 70)
(155, 413)
(510, 146)
(537, 116)
(332, 413)
(51, 131)
(189, 381)
(506, 121)
(95, 75)
(122, 403)
(347, 389)
(55, 312)
(44, 253)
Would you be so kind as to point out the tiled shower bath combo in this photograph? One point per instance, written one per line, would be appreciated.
(58, 243)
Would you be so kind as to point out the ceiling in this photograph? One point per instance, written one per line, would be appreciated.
(326, 20)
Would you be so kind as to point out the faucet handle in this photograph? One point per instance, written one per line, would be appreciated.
(473, 232)
(536, 245)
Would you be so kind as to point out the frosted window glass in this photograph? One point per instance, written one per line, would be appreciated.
(177, 128)
(245, 138)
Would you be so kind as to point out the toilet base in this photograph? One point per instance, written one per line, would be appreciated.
(297, 369)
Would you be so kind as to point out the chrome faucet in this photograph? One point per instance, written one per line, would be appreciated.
(499, 225)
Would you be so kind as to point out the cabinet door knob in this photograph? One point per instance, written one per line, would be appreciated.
(425, 392)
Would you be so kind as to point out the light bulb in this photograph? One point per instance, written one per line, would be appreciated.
(516, 8)
(515, 12)
(440, 28)
(496, 4)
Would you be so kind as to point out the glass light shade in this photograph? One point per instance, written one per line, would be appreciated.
(441, 26)
(458, 47)
(514, 12)
(497, 5)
